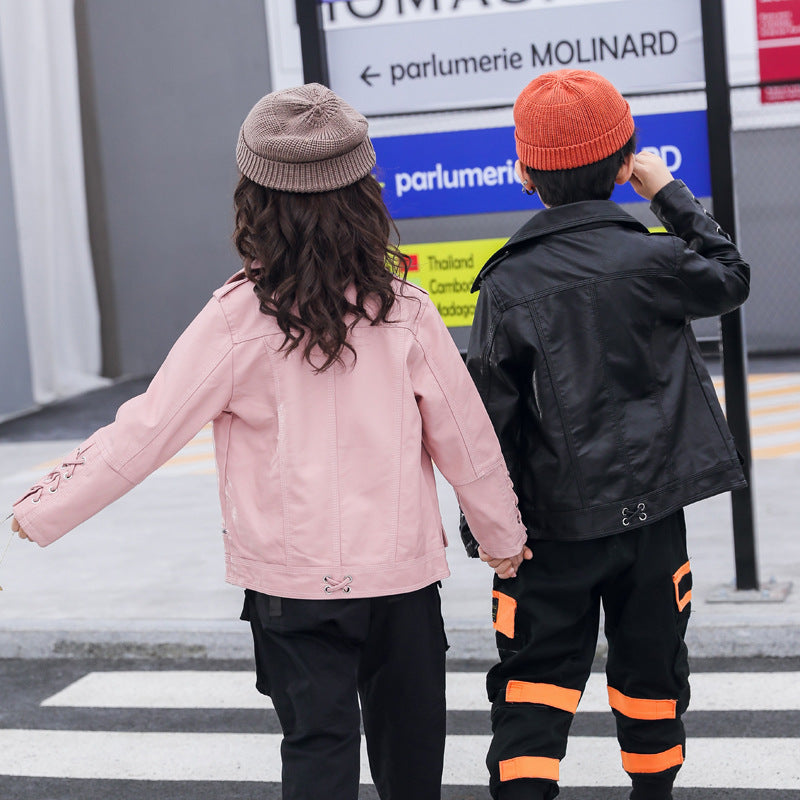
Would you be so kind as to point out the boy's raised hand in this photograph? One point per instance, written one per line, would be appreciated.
(506, 567)
(650, 175)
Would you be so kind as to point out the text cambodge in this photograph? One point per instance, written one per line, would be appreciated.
(549, 54)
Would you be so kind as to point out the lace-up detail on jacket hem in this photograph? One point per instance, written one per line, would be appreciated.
(53, 479)
(336, 585)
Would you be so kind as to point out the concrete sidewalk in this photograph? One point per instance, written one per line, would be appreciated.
(145, 577)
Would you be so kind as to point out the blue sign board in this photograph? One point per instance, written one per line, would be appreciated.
(472, 172)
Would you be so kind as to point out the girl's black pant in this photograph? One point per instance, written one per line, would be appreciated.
(315, 658)
(547, 624)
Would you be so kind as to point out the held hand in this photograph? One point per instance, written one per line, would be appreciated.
(17, 528)
(650, 175)
(506, 567)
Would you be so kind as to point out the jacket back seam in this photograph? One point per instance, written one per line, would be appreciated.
(622, 444)
(561, 404)
(506, 304)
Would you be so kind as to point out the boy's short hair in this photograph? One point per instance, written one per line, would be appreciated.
(590, 182)
(574, 123)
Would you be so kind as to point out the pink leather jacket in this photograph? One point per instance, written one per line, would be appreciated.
(325, 480)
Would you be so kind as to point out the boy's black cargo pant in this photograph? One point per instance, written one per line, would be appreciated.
(547, 623)
(314, 658)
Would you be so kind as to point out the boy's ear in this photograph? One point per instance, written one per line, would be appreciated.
(626, 170)
(522, 174)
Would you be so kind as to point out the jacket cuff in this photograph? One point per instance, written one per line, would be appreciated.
(665, 198)
(490, 506)
(69, 495)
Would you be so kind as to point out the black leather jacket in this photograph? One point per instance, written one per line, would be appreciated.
(583, 354)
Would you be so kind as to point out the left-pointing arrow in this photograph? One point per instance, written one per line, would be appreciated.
(366, 75)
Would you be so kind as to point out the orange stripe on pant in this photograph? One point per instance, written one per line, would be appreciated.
(652, 762)
(504, 609)
(641, 708)
(529, 767)
(546, 694)
(682, 602)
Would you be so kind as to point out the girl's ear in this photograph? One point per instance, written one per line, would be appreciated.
(626, 170)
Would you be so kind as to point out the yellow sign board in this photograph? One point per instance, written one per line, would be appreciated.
(446, 270)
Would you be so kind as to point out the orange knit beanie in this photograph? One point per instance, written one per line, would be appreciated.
(570, 118)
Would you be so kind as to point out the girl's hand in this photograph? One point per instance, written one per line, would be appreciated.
(506, 567)
(650, 175)
(17, 528)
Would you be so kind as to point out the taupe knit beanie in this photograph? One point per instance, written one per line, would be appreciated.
(305, 139)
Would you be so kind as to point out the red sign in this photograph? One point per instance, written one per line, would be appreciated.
(779, 48)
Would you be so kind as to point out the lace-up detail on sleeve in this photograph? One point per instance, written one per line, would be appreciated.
(53, 479)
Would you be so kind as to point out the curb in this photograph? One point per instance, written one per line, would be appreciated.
(207, 640)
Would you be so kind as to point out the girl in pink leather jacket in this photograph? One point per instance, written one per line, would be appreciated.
(332, 385)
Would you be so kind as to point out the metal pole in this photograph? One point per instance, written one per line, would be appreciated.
(312, 41)
(734, 355)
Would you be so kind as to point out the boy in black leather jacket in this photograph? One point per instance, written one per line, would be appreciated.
(582, 351)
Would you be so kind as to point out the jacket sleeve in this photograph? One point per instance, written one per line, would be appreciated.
(193, 386)
(713, 274)
(491, 364)
(458, 435)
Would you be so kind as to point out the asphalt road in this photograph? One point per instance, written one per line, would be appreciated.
(197, 729)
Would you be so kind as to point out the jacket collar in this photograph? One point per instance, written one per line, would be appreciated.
(586, 214)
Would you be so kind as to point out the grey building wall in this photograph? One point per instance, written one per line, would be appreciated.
(15, 386)
(767, 175)
(165, 87)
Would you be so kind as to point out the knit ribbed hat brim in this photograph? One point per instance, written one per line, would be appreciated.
(308, 176)
(570, 118)
(305, 139)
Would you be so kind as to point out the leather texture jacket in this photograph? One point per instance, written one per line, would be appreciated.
(583, 354)
(326, 480)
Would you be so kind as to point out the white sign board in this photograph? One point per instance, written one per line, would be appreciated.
(484, 60)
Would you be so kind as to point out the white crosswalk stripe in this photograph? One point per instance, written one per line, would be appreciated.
(590, 761)
(741, 762)
(711, 691)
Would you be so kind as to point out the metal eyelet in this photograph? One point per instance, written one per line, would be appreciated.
(52, 490)
(328, 590)
(67, 476)
(36, 499)
(626, 522)
(346, 590)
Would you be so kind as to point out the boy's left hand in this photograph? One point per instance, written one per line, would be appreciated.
(506, 567)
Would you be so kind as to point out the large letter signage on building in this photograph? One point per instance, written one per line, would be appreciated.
(446, 60)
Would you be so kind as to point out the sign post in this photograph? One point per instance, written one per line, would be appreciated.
(312, 42)
(734, 355)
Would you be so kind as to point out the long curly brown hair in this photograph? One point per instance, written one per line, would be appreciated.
(302, 251)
